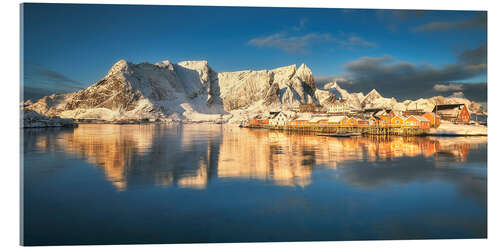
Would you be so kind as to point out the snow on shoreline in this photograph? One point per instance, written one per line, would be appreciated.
(450, 129)
(32, 119)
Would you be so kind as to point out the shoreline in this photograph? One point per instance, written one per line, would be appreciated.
(441, 133)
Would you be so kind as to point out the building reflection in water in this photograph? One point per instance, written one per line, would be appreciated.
(190, 155)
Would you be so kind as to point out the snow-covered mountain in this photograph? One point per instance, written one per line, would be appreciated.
(374, 99)
(141, 91)
(191, 90)
(188, 90)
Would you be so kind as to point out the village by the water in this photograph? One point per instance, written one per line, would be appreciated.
(339, 120)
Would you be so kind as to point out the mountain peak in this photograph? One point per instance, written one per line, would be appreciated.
(119, 66)
(194, 63)
(332, 85)
(306, 75)
(165, 64)
(303, 66)
(374, 93)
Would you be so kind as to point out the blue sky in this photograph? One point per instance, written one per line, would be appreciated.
(67, 47)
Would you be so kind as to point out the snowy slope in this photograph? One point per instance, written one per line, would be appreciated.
(354, 100)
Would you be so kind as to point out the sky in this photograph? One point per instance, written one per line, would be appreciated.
(401, 53)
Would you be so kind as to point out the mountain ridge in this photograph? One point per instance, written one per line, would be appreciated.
(193, 91)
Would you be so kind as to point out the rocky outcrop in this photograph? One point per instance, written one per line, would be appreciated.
(285, 85)
(32, 119)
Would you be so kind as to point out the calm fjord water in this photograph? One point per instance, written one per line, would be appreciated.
(112, 184)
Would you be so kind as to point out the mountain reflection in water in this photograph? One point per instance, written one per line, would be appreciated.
(112, 184)
(189, 156)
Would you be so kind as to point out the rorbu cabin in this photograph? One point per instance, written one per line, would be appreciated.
(397, 121)
(298, 123)
(385, 116)
(434, 120)
(415, 121)
(323, 121)
(374, 120)
(254, 122)
(363, 123)
(352, 122)
(456, 113)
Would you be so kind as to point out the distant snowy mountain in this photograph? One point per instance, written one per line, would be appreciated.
(192, 91)
(354, 100)
(374, 100)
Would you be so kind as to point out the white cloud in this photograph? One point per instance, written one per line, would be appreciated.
(478, 21)
(292, 42)
(459, 94)
(355, 41)
(449, 87)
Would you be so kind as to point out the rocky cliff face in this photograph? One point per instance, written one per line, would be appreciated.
(285, 85)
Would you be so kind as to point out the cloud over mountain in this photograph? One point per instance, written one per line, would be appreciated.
(447, 87)
(291, 44)
(40, 81)
(294, 41)
(477, 22)
(405, 80)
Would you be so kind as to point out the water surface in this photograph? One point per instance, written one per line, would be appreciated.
(111, 184)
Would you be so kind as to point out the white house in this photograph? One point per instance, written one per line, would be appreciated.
(278, 119)
(340, 106)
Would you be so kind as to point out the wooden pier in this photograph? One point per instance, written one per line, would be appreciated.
(365, 130)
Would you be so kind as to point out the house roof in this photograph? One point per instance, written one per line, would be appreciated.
(447, 106)
(383, 112)
(317, 119)
(419, 118)
(335, 118)
(372, 110)
(275, 114)
(303, 118)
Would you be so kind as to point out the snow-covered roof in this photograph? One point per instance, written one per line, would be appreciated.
(449, 112)
(303, 118)
(317, 119)
(397, 116)
(336, 119)
(419, 118)
(383, 112)
(276, 114)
